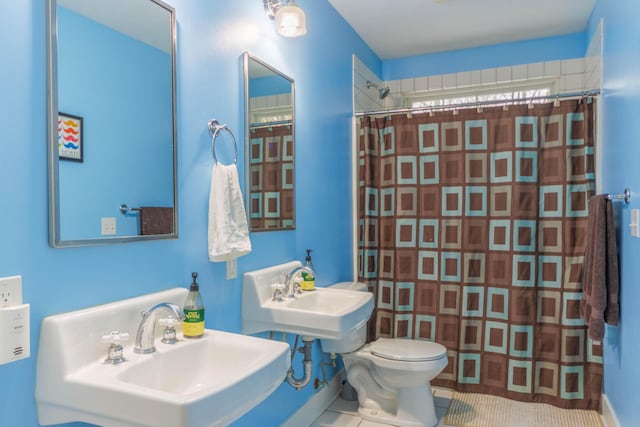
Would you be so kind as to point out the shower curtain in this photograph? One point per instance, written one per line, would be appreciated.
(272, 173)
(472, 234)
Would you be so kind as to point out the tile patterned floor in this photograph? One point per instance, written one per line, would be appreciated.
(345, 414)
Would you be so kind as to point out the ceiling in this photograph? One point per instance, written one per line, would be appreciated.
(140, 19)
(401, 28)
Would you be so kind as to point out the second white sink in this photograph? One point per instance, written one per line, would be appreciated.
(322, 313)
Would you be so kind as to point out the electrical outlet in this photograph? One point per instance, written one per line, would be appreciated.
(10, 291)
(108, 226)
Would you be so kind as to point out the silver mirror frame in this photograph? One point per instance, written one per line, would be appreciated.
(246, 56)
(52, 139)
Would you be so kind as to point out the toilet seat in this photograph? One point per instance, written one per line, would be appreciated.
(407, 350)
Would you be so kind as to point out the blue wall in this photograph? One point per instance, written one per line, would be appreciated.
(95, 76)
(266, 86)
(621, 133)
(500, 55)
(211, 40)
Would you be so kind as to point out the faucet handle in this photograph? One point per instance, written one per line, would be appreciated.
(169, 334)
(278, 291)
(297, 288)
(169, 322)
(115, 337)
(115, 352)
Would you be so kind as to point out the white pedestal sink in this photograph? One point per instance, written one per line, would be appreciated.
(323, 313)
(193, 383)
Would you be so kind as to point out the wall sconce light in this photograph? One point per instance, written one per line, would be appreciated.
(289, 18)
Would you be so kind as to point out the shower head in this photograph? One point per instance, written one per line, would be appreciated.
(382, 91)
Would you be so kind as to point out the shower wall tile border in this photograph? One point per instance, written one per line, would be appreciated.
(568, 75)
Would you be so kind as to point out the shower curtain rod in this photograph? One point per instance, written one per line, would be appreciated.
(481, 104)
(270, 124)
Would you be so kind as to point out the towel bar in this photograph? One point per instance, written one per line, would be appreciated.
(214, 128)
(626, 196)
(124, 209)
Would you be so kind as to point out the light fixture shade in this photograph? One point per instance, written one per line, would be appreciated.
(290, 21)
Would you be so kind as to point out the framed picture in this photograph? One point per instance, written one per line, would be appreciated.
(70, 142)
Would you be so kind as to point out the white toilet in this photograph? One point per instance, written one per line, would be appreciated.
(391, 375)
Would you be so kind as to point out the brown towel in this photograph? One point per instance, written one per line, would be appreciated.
(601, 282)
(155, 220)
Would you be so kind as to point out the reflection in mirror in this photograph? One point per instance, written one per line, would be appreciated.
(270, 148)
(115, 77)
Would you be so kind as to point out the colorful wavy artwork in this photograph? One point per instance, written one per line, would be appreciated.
(70, 129)
(69, 137)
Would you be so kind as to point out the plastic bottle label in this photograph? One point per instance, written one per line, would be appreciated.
(193, 323)
(308, 282)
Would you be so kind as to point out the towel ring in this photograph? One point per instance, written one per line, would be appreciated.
(214, 128)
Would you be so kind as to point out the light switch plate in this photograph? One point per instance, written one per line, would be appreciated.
(108, 226)
(635, 223)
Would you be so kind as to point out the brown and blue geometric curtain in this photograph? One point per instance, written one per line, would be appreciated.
(271, 167)
(472, 227)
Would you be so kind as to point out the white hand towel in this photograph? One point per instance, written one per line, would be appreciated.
(228, 229)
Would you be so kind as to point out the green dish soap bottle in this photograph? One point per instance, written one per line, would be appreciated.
(308, 280)
(193, 323)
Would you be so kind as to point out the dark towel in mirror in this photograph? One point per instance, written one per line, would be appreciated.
(156, 220)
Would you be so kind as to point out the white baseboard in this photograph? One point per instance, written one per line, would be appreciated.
(608, 414)
(307, 414)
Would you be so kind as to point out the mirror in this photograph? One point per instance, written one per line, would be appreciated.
(111, 121)
(269, 146)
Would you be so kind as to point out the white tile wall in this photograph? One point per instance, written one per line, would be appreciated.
(435, 82)
(503, 74)
(593, 60)
(552, 68)
(463, 79)
(569, 75)
(519, 72)
(476, 77)
(366, 99)
(421, 84)
(535, 70)
(406, 85)
(488, 76)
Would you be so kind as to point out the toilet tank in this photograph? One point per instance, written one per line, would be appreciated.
(357, 337)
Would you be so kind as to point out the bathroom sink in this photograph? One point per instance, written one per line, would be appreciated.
(327, 301)
(210, 381)
(322, 313)
(213, 362)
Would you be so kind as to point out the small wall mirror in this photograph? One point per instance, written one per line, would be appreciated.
(269, 146)
(111, 121)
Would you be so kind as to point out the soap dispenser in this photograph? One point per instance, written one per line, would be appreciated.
(193, 323)
(308, 280)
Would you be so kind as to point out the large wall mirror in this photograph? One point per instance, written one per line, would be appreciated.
(111, 121)
(270, 146)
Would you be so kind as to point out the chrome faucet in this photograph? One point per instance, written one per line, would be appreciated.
(146, 329)
(292, 288)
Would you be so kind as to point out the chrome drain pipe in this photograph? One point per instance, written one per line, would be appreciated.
(299, 383)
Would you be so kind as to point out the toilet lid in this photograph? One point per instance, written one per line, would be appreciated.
(407, 350)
